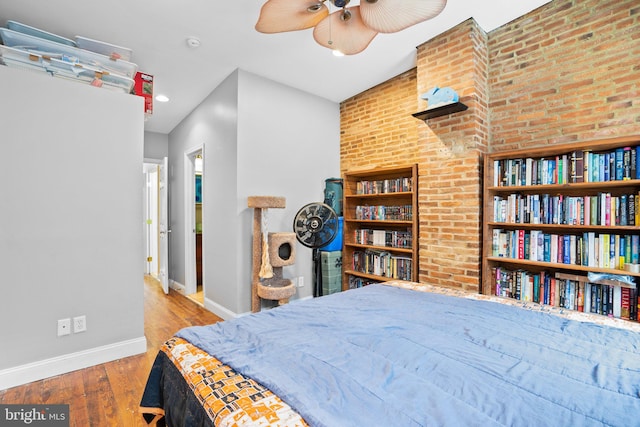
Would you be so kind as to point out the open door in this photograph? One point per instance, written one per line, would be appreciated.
(163, 224)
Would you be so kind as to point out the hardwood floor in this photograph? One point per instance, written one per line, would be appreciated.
(109, 394)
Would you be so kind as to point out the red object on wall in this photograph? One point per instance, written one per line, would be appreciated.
(144, 87)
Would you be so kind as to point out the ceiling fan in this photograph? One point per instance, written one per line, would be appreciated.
(348, 30)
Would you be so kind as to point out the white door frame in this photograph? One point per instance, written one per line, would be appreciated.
(190, 279)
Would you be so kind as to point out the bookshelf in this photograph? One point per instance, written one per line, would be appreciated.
(561, 225)
(380, 226)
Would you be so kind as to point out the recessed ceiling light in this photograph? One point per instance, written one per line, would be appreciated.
(193, 42)
(162, 98)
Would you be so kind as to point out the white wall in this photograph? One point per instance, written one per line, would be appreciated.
(70, 225)
(260, 138)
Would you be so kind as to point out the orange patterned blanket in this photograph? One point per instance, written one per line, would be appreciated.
(227, 397)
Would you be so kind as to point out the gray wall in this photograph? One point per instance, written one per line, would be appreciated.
(212, 124)
(260, 138)
(156, 145)
(70, 224)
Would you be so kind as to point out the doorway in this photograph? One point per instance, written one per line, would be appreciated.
(194, 214)
(156, 230)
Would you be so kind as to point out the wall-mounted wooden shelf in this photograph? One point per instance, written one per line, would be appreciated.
(440, 111)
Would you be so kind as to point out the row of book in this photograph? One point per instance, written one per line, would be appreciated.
(578, 166)
(388, 238)
(601, 209)
(382, 263)
(395, 185)
(590, 249)
(359, 282)
(581, 295)
(382, 213)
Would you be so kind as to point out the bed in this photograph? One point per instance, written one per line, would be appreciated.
(400, 354)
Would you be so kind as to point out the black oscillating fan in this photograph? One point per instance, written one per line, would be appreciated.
(316, 225)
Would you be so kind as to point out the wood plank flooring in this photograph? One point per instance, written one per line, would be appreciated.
(109, 394)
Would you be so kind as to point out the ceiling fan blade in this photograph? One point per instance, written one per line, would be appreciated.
(348, 36)
(390, 16)
(278, 16)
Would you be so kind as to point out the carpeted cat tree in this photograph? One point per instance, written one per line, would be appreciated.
(271, 252)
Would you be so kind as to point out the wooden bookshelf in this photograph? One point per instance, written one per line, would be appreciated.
(580, 220)
(381, 202)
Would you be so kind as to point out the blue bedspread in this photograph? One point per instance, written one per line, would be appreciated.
(386, 356)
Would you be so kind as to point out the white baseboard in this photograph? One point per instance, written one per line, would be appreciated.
(227, 314)
(177, 286)
(36, 371)
(219, 310)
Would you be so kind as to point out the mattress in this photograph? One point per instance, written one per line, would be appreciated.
(405, 354)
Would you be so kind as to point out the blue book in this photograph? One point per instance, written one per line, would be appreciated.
(626, 162)
(619, 164)
(601, 159)
(547, 248)
(585, 249)
(612, 166)
(546, 289)
(635, 248)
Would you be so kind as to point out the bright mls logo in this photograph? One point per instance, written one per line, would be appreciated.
(34, 415)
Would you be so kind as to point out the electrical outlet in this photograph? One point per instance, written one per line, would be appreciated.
(79, 324)
(64, 327)
(301, 281)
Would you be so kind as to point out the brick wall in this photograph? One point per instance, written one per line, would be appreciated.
(376, 127)
(567, 71)
(450, 160)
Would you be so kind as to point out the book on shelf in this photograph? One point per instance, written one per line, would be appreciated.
(602, 250)
(567, 291)
(602, 208)
(384, 213)
(383, 263)
(578, 166)
(576, 171)
(388, 238)
(383, 186)
(359, 282)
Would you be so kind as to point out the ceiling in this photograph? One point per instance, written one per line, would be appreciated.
(157, 32)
